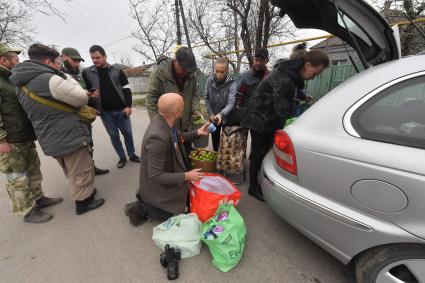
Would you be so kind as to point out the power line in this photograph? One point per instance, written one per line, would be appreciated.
(401, 23)
(91, 18)
(116, 41)
(83, 11)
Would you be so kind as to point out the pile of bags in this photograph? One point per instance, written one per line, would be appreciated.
(214, 220)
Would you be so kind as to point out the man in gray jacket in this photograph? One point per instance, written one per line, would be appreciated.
(62, 135)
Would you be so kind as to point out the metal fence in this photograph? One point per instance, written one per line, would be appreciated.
(322, 84)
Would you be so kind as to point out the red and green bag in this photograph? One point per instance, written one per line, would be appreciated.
(209, 193)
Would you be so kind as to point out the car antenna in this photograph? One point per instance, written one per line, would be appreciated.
(356, 44)
(415, 25)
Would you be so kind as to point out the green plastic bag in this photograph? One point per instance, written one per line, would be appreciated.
(181, 231)
(225, 235)
(290, 121)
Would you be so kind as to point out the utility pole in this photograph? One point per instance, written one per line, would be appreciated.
(179, 33)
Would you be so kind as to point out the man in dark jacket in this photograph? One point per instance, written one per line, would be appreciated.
(164, 168)
(62, 135)
(114, 101)
(272, 104)
(177, 75)
(249, 80)
(18, 155)
(71, 60)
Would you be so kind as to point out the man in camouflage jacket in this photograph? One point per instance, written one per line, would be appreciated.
(18, 155)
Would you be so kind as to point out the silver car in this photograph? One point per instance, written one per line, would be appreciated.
(350, 172)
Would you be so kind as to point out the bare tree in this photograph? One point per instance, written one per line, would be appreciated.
(156, 32)
(16, 17)
(14, 27)
(401, 10)
(42, 6)
(126, 61)
(254, 23)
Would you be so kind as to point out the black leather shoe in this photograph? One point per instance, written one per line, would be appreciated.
(98, 171)
(256, 193)
(45, 202)
(135, 158)
(121, 163)
(88, 204)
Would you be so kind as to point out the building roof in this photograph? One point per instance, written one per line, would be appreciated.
(138, 71)
(331, 41)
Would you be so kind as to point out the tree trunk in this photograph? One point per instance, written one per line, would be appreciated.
(409, 30)
(260, 24)
(236, 41)
(186, 31)
(267, 22)
(179, 33)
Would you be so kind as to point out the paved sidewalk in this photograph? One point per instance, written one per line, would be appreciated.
(101, 246)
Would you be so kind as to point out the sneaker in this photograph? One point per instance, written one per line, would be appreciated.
(98, 171)
(135, 158)
(37, 216)
(121, 163)
(45, 202)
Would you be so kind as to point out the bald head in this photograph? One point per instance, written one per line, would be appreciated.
(169, 103)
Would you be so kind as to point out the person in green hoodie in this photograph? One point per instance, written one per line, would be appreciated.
(18, 156)
(176, 75)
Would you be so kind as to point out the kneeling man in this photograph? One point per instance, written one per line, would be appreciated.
(164, 166)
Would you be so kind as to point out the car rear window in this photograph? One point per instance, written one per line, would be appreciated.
(354, 28)
(395, 115)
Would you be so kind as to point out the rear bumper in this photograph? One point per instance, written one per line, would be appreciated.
(342, 231)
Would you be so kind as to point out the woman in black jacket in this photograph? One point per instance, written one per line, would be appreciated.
(273, 103)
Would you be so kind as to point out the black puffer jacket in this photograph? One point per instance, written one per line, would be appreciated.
(273, 100)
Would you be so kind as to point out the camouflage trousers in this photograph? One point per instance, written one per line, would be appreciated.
(22, 169)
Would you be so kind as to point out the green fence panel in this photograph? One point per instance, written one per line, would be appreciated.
(330, 78)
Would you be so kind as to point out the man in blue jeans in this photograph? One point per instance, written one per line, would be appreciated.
(113, 99)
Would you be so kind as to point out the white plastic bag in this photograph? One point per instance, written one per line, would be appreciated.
(182, 231)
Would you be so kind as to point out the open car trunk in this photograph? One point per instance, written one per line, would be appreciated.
(374, 36)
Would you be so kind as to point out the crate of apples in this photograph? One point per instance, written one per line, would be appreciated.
(204, 159)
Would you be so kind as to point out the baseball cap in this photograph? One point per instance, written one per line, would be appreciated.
(263, 52)
(73, 53)
(186, 59)
(4, 49)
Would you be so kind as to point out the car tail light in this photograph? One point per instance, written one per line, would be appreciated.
(284, 152)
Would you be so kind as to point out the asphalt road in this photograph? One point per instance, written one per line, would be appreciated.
(102, 246)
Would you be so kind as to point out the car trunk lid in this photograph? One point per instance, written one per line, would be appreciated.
(368, 32)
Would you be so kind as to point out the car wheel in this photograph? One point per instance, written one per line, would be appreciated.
(396, 263)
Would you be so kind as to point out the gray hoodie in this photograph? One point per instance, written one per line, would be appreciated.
(220, 98)
(58, 132)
